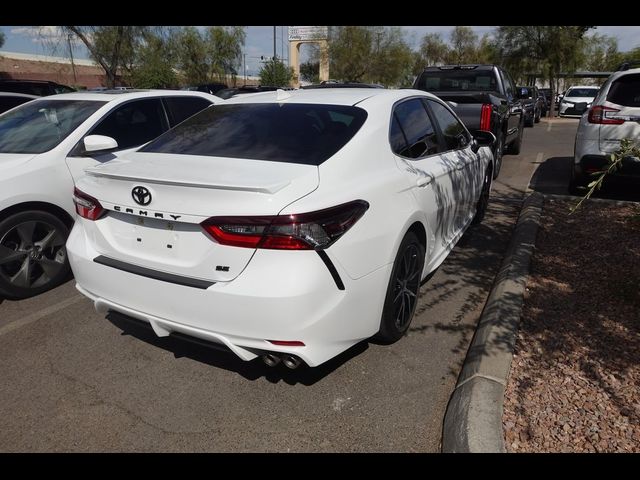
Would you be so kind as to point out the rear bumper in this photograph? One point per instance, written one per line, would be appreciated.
(281, 295)
(629, 172)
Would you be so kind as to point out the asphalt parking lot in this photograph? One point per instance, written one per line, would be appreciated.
(72, 380)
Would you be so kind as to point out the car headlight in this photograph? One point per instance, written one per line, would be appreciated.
(570, 104)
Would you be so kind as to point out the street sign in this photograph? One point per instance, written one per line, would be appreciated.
(308, 33)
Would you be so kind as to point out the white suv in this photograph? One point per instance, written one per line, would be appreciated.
(577, 100)
(614, 115)
(45, 145)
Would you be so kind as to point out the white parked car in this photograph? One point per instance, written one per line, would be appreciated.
(45, 145)
(286, 225)
(577, 100)
(614, 115)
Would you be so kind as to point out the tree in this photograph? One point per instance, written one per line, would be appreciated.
(1, 39)
(275, 73)
(369, 54)
(432, 51)
(463, 45)
(310, 71)
(224, 48)
(600, 53)
(154, 60)
(209, 56)
(550, 49)
(112, 47)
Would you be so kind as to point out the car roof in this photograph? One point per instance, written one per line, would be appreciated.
(21, 80)
(328, 96)
(583, 86)
(112, 95)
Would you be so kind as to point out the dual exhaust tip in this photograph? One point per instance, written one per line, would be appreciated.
(289, 361)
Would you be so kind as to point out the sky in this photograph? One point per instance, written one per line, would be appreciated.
(259, 41)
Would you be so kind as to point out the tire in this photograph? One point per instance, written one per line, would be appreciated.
(402, 292)
(33, 257)
(528, 122)
(516, 145)
(483, 201)
(498, 153)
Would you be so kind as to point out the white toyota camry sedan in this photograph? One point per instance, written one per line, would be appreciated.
(283, 225)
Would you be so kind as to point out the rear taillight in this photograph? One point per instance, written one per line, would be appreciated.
(602, 115)
(485, 117)
(87, 206)
(306, 231)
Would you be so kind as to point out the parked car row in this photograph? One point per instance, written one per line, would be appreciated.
(286, 225)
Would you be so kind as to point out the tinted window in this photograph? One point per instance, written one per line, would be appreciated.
(38, 89)
(181, 108)
(582, 92)
(418, 134)
(455, 135)
(509, 87)
(453, 80)
(7, 103)
(625, 91)
(291, 133)
(38, 126)
(62, 88)
(133, 123)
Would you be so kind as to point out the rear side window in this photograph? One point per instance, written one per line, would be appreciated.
(289, 133)
(181, 108)
(455, 135)
(625, 91)
(412, 134)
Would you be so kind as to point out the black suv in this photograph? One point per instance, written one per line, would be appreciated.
(39, 88)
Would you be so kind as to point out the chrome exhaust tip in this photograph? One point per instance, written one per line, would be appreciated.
(291, 361)
(270, 359)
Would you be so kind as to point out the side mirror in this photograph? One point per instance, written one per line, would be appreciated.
(482, 138)
(99, 143)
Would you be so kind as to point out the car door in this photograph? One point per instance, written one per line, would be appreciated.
(131, 124)
(466, 178)
(416, 146)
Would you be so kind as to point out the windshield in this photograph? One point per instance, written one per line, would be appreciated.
(290, 133)
(582, 92)
(454, 80)
(39, 126)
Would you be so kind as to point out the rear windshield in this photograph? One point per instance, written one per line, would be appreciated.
(290, 133)
(455, 80)
(582, 92)
(625, 91)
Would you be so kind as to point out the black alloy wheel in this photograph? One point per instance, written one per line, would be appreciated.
(483, 200)
(402, 291)
(33, 257)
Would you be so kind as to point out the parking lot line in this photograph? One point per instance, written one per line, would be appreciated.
(40, 314)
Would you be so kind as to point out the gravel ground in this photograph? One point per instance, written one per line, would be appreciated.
(574, 384)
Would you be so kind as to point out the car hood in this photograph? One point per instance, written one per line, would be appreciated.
(9, 161)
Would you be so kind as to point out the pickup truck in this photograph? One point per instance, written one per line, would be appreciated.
(484, 97)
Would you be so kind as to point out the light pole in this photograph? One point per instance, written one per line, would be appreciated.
(245, 68)
(274, 43)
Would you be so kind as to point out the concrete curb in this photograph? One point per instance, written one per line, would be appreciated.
(473, 420)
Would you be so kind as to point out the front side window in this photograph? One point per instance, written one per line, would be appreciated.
(278, 132)
(412, 134)
(133, 123)
(40, 125)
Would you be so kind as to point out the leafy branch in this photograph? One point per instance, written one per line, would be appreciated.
(628, 148)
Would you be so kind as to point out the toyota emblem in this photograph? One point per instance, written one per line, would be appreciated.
(141, 195)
